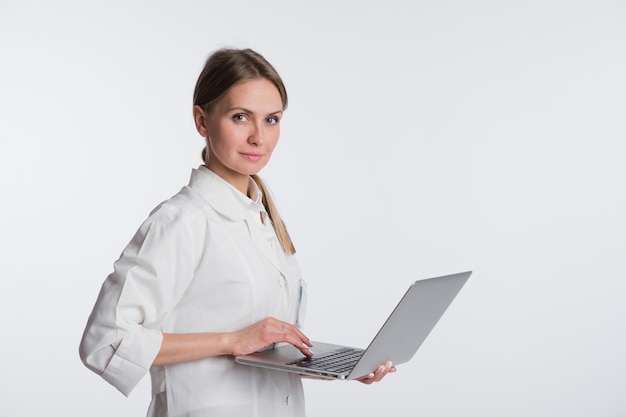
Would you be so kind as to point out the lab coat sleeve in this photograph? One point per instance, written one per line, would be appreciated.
(123, 334)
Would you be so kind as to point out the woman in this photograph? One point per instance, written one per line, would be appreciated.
(211, 273)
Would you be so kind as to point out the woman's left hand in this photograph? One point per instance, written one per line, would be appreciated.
(379, 374)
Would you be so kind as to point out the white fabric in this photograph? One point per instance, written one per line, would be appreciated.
(203, 261)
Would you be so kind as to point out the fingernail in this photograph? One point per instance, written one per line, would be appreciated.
(381, 369)
(389, 364)
(370, 375)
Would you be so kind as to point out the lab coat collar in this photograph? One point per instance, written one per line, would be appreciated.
(233, 205)
(222, 196)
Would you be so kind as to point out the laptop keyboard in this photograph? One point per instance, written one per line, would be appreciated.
(339, 360)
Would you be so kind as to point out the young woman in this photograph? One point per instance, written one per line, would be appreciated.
(211, 273)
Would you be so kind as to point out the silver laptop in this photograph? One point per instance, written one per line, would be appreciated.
(403, 333)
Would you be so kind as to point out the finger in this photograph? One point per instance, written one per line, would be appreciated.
(299, 334)
(367, 379)
(378, 374)
(291, 334)
(296, 342)
(385, 369)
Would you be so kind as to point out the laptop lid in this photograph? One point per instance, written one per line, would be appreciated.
(411, 322)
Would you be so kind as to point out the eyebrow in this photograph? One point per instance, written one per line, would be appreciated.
(251, 112)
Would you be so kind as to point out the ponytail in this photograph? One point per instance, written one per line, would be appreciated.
(272, 211)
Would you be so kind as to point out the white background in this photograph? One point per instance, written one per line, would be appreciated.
(422, 138)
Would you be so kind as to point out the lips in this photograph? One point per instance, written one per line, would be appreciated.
(251, 156)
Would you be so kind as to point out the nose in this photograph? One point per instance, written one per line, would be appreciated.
(256, 135)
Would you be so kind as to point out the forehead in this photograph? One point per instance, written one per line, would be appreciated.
(259, 95)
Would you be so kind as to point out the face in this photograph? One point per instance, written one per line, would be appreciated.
(241, 130)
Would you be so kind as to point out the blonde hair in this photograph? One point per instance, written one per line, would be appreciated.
(277, 221)
(222, 70)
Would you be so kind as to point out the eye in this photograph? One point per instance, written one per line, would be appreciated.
(240, 117)
(272, 120)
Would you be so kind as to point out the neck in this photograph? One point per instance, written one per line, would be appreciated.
(237, 180)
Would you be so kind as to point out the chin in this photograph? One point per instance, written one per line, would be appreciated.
(254, 170)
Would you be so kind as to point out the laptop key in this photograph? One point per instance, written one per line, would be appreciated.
(339, 360)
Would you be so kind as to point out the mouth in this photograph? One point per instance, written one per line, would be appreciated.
(251, 156)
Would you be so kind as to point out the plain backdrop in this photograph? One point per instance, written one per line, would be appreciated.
(422, 138)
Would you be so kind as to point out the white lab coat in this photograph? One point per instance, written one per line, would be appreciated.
(203, 261)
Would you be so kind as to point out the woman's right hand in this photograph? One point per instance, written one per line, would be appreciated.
(265, 333)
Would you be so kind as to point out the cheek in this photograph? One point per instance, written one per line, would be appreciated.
(273, 139)
(221, 140)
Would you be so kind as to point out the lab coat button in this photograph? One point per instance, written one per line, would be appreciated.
(288, 400)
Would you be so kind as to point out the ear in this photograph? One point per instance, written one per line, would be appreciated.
(200, 118)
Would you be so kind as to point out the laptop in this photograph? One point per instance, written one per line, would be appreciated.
(398, 339)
